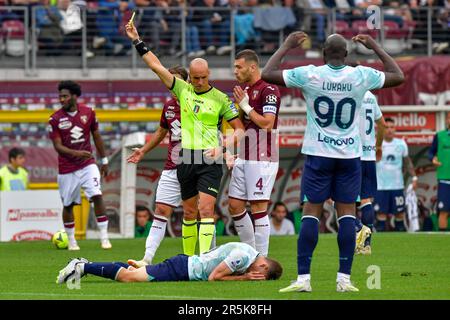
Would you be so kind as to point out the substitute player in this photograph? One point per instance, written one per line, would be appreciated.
(256, 168)
(390, 196)
(202, 109)
(371, 152)
(334, 93)
(70, 130)
(168, 194)
(231, 261)
(439, 155)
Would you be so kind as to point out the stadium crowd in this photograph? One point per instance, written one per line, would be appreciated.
(257, 23)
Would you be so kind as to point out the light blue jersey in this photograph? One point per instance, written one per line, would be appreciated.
(390, 168)
(370, 112)
(334, 97)
(237, 255)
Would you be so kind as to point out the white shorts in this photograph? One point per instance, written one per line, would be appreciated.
(69, 184)
(168, 191)
(252, 180)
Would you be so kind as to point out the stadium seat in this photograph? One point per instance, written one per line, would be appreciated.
(394, 37)
(360, 26)
(343, 29)
(14, 32)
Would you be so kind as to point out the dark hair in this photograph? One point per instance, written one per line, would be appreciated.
(280, 203)
(179, 70)
(142, 208)
(389, 120)
(15, 152)
(248, 55)
(73, 87)
(275, 269)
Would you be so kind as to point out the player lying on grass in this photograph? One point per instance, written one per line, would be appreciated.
(231, 261)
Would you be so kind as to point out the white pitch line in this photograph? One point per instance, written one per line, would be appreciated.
(159, 297)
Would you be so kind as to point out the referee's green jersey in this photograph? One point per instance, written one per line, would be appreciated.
(201, 115)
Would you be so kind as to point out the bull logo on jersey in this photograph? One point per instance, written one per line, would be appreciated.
(84, 119)
(390, 157)
(77, 134)
(196, 108)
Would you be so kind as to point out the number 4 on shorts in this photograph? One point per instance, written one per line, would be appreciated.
(259, 184)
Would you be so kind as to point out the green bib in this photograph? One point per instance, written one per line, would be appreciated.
(13, 181)
(443, 154)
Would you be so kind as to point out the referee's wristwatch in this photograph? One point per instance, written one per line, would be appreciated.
(136, 41)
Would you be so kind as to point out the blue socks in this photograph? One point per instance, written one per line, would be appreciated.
(381, 225)
(367, 218)
(399, 226)
(358, 225)
(306, 243)
(346, 240)
(104, 269)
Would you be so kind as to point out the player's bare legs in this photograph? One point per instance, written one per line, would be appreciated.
(102, 220)
(443, 220)
(189, 228)
(69, 226)
(207, 227)
(242, 221)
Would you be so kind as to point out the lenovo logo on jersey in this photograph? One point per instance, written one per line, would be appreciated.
(77, 134)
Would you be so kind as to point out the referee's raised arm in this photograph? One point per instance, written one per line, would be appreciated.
(149, 58)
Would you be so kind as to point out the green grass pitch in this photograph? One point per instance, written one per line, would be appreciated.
(413, 266)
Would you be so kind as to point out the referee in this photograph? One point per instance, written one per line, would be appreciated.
(439, 154)
(202, 109)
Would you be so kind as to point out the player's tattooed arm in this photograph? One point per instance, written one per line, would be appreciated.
(408, 164)
(151, 59)
(63, 150)
(271, 72)
(101, 152)
(381, 125)
(393, 74)
(139, 153)
(223, 273)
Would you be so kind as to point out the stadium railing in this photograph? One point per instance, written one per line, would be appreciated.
(94, 37)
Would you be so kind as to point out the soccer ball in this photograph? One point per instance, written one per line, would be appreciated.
(60, 239)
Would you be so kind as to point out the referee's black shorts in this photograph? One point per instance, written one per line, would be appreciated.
(195, 175)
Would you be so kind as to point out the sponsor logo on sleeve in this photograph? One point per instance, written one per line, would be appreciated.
(170, 115)
(65, 125)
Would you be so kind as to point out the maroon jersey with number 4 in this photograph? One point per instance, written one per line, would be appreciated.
(75, 133)
(261, 145)
(171, 120)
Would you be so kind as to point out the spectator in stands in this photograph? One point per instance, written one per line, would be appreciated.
(152, 22)
(172, 16)
(193, 47)
(270, 20)
(13, 176)
(314, 10)
(364, 4)
(214, 26)
(109, 19)
(279, 225)
(243, 22)
(143, 222)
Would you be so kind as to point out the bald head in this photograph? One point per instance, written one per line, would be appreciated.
(198, 64)
(335, 48)
(199, 74)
